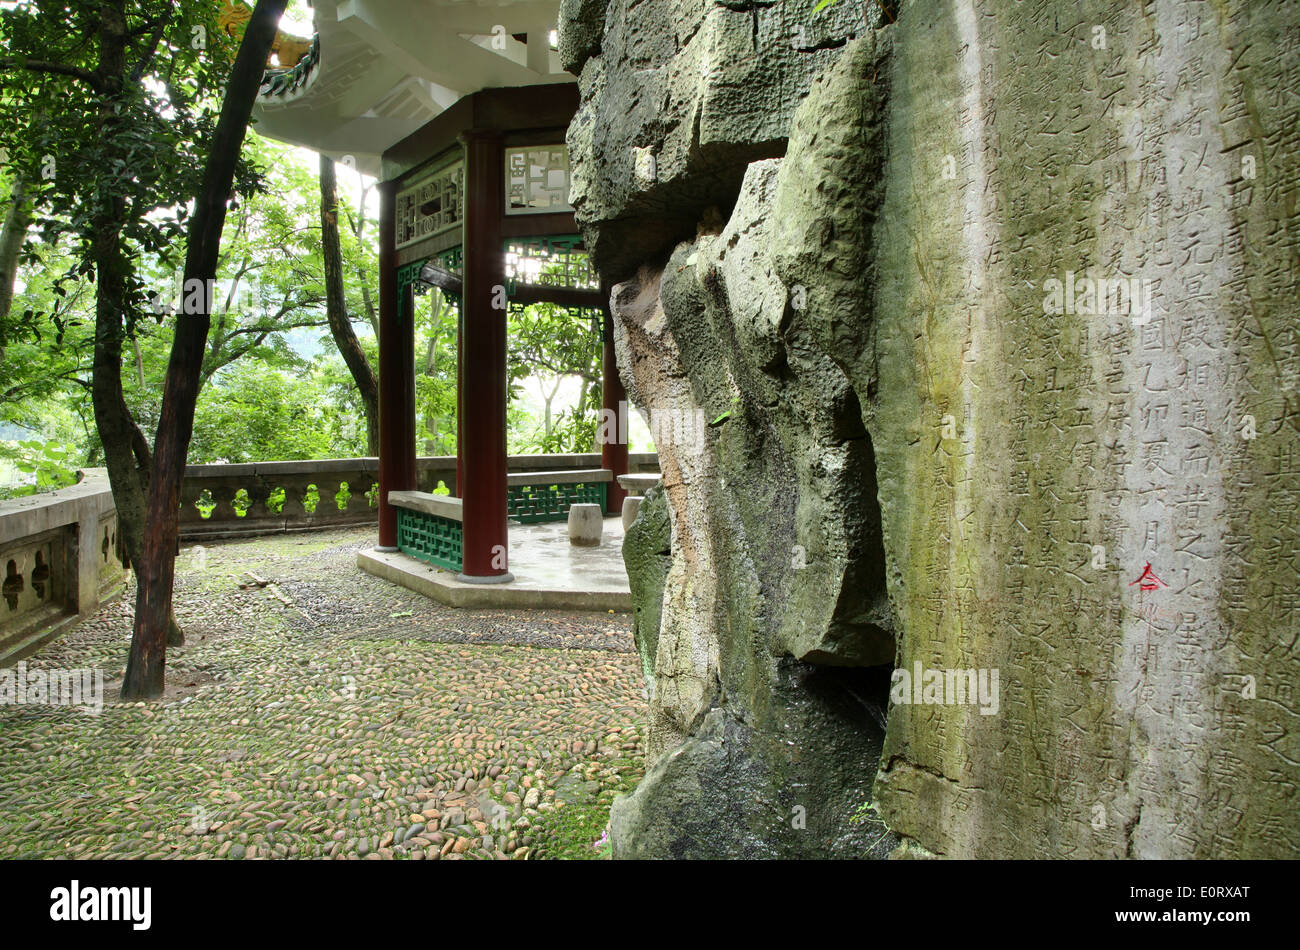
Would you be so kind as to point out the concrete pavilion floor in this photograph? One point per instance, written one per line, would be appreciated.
(549, 572)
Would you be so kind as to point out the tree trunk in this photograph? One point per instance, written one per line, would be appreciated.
(139, 361)
(126, 453)
(372, 317)
(145, 667)
(118, 433)
(431, 426)
(12, 233)
(336, 306)
(548, 400)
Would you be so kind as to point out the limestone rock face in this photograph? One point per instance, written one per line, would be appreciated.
(682, 95)
(767, 469)
(999, 370)
(736, 789)
(581, 24)
(647, 554)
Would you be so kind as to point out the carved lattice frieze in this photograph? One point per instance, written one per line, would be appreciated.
(537, 179)
(431, 206)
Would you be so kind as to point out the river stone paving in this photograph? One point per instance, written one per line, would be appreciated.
(327, 714)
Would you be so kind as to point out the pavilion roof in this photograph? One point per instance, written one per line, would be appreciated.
(381, 69)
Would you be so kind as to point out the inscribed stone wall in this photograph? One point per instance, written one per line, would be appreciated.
(1052, 250)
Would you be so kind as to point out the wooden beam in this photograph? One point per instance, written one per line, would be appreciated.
(537, 225)
(442, 279)
(561, 296)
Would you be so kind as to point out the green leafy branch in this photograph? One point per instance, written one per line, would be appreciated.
(44, 462)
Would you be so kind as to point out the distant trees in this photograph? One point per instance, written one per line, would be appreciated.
(267, 324)
(436, 328)
(13, 232)
(549, 345)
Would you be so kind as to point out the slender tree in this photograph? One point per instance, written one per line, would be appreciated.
(13, 232)
(336, 306)
(147, 661)
(101, 104)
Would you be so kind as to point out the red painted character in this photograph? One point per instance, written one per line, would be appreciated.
(1148, 580)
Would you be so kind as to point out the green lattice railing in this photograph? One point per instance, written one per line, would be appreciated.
(541, 502)
(430, 538)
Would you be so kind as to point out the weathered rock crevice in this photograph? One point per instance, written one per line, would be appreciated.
(835, 259)
(769, 472)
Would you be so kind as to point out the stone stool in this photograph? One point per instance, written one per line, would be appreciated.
(631, 505)
(585, 524)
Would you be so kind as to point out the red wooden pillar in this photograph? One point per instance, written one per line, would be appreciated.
(460, 395)
(396, 375)
(613, 452)
(483, 365)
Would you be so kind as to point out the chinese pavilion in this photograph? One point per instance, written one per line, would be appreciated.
(460, 109)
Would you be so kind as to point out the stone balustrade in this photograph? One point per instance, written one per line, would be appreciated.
(59, 557)
(226, 501)
(59, 561)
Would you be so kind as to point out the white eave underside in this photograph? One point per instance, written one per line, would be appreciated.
(389, 66)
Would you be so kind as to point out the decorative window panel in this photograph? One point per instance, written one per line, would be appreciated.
(452, 259)
(431, 206)
(553, 261)
(537, 179)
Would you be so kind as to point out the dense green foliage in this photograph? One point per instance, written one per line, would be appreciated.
(275, 387)
(549, 345)
(273, 383)
(91, 148)
(45, 464)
